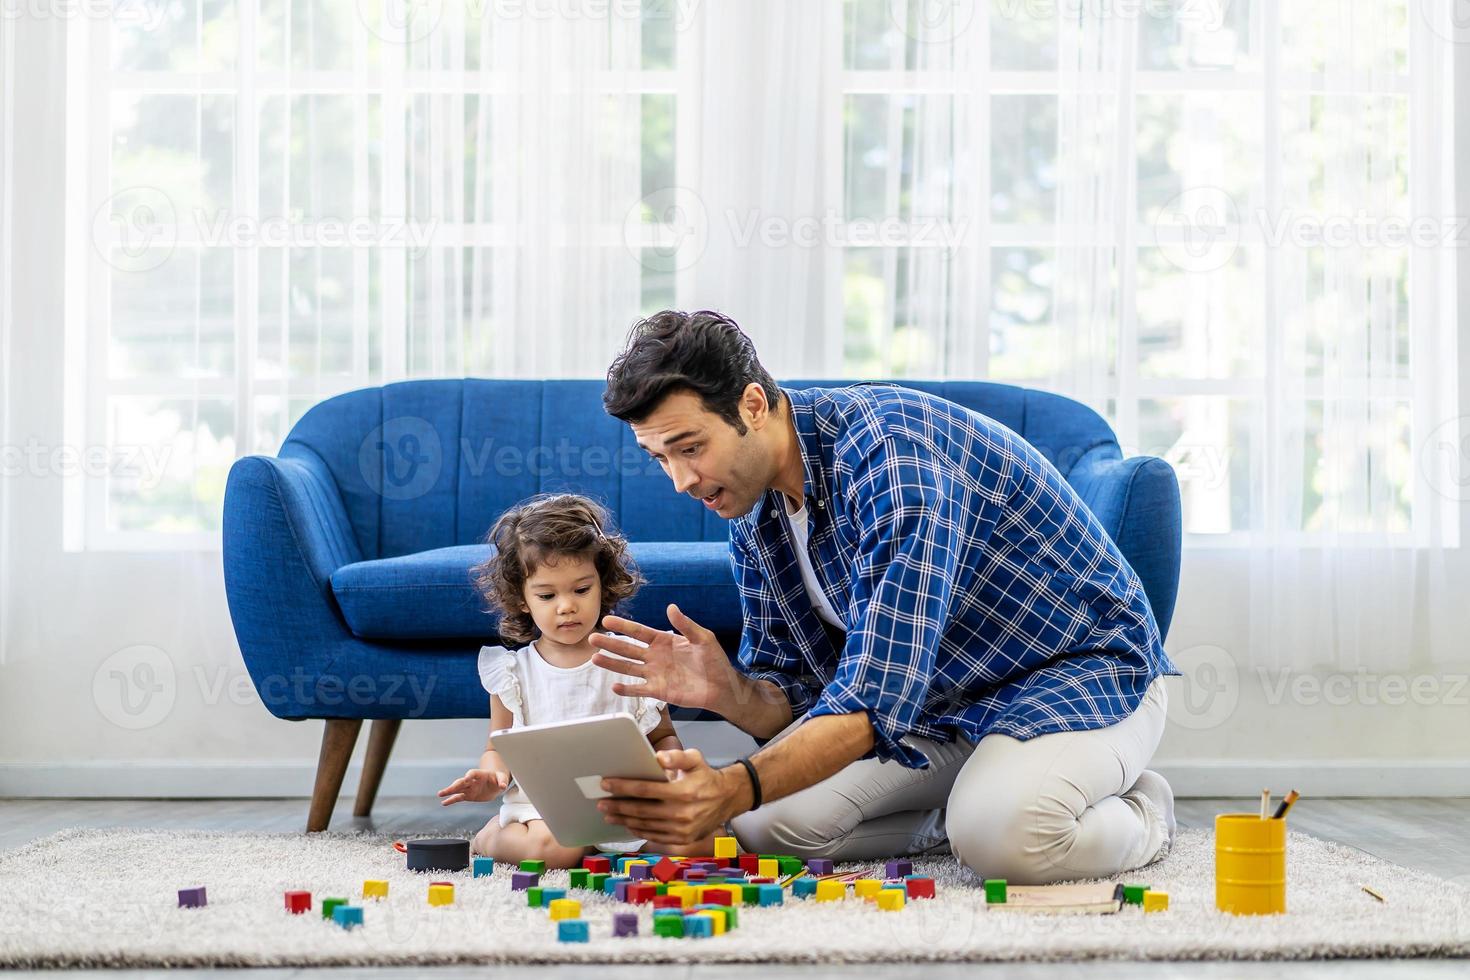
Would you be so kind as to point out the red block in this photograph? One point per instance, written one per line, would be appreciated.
(597, 865)
(761, 881)
(693, 874)
(642, 893)
(667, 902)
(298, 902)
(717, 895)
(750, 863)
(919, 887)
(665, 870)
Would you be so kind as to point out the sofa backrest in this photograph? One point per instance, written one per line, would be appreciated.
(430, 464)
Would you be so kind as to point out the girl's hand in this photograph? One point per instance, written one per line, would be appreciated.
(476, 786)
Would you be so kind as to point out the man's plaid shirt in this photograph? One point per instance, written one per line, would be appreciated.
(978, 592)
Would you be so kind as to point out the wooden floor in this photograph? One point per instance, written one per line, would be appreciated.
(1429, 834)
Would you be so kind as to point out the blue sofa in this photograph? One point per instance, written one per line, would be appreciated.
(346, 556)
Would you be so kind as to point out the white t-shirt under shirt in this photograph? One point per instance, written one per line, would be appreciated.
(537, 691)
(798, 521)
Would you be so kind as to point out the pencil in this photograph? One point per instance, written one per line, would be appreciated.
(1286, 802)
(1374, 894)
(1265, 803)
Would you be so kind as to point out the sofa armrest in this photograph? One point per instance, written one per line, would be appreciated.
(285, 531)
(1137, 501)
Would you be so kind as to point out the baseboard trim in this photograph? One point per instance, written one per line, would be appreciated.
(168, 779)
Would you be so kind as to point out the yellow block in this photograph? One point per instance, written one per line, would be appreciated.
(566, 908)
(1155, 901)
(769, 868)
(726, 847)
(867, 888)
(686, 895)
(441, 894)
(890, 899)
(639, 861)
(375, 889)
(831, 891)
(718, 917)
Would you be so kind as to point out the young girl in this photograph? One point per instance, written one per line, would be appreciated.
(554, 575)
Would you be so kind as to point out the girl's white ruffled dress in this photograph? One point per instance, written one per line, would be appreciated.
(537, 692)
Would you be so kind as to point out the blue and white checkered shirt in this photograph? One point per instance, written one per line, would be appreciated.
(978, 592)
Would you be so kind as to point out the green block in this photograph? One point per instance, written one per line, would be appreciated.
(732, 916)
(660, 889)
(328, 904)
(669, 925)
(537, 866)
(714, 880)
(533, 898)
(995, 891)
(1133, 894)
(578, 877)
(751, 894)
(594, 881)
(789, 865)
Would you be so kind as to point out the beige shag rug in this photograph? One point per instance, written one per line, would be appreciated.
(108, 898)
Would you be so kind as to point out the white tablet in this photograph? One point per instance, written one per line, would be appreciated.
(561, 765)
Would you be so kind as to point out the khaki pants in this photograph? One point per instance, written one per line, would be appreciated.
(1051, 808)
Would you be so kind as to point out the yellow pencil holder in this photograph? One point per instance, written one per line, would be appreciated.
(1250, 864)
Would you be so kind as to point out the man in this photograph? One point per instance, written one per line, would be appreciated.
(940, 642)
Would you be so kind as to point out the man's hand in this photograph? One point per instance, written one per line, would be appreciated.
(476, 786)
(687, 668)
(694, 803)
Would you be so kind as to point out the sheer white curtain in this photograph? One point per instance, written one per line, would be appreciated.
(7, 196)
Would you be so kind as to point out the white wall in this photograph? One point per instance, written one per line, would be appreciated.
(65, 728)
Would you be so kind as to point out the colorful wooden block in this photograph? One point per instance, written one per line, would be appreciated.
(533, 897)
(597, 865)
(898, 868)
(441, 893)
(298, 902)
(660, 888)
(716, 919)
(347, 916)
(768, 868)
(732, 913)
(564, 908)
(750, 863)
(670, 926)
(573, 931)
(1155, 901)
(686, 896)
(697, 926)
(521, 880)
(866, 888)
(641, 892)
(640, 871)
(537, 867)
(819, 866)
(483, 867)
(722, 895)
(577, 877)
(626, 924)
(192, 898)
(890, 899)
(803, 887)
(917, 887)
(788, 865)
(767, 895)
(1133, 894)
(610, 884)
(750, 894)
(665, 871)
(829, 890)
(995, 891)
(549, 895)
(374, 888)
(726, 847)
(597, 881)
(330, 904)
(694, 874)
(667, 902)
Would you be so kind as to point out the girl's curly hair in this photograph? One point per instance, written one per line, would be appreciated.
(547, 528)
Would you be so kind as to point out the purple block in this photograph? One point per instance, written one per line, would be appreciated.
(625, 924)
(899, 868)
(620, 890)
(819, 866)
(521, 880)
(709, 867)
(639, 872)
(192, 898)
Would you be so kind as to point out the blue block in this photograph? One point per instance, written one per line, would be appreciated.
(484, 866)
(347, 916)
(771, 894)
(548, 895)
(572, 931)
(610, 884)
(698, 927)
(802, 887)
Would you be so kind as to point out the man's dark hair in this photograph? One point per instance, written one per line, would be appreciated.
(703, 352)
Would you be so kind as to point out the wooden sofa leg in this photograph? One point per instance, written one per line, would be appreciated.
(338, 740)
(381, 734)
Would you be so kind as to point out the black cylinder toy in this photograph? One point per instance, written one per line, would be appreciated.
(438, 854)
